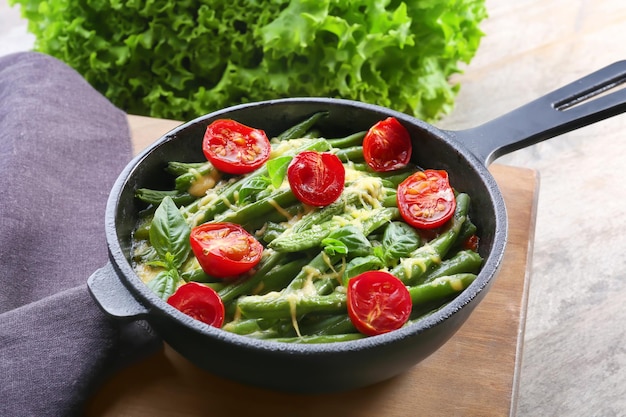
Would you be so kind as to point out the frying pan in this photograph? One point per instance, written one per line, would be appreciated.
(465, 154)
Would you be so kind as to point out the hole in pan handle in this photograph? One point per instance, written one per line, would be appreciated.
(593, 98)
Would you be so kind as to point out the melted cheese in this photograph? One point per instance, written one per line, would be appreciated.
(456, 284)
(284, 146)
(293, 301)
(279, 209)
(203, 183)
(353, 174)
(369, 190)
(146, 273)
(409, 263)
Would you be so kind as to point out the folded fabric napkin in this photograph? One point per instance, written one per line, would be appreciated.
(62, 145)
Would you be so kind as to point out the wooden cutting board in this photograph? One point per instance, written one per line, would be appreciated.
(474, 374)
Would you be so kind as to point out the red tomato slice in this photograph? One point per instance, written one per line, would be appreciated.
(378, 302)
(472, 243)
(426, 199)
(316, 178)
(387, 146)
(235, 148)
(225, 250)
(200, 302)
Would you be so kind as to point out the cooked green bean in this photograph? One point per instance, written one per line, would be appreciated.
(465, 261)
(440, 288)
(299, 130)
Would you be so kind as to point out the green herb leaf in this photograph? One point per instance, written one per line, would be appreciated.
(277, 168)
(334, 246)
(164, 284)
(169, 233)
(399, 240)
(251, 188)
(361, 264)
(352, 238)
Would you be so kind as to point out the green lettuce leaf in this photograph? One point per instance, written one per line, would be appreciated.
(179, 59)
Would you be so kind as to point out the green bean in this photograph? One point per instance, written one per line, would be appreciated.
(155, 197)
(249, 326)
(326, 285)
(440, 288)
(392, 181)
(281, 276)
(465, 261)
(188, 173)
(468, 229)
(379, 218)
(274, 217)
(354, 139)
(258, 208)
(270, 231)
(325, 213)
(268, 277)
(278, 306)
(353, 153)
(180, 168)
(334, 338)
(197, 275)
(335, 324)
(306, 239)
(320, 264)
(302, 128)
(142, 232)
(391, 199)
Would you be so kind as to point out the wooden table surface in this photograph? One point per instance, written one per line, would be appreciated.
(475, 373)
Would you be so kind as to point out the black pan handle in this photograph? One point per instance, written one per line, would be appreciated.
(112, 295)
(573, 106)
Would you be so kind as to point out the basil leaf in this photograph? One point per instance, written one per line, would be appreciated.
(277, 168)
(361, 264)
(169, 233)
(334, 246)
(251, 188)
(399, 240)
(164, 284)
(353, 239)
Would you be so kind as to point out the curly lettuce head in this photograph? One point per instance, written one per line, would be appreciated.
(180, 59)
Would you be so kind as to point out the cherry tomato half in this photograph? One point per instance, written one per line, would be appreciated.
(235, 148)
(387, 146)
(316, 178)
(225, 250)
(378, 302)
(426, 199)
(200, 302)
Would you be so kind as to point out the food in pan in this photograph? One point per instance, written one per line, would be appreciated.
(306, 239)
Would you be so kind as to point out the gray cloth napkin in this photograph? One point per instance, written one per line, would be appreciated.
(62, 145)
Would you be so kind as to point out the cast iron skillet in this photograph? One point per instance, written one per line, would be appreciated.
(334, 367)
